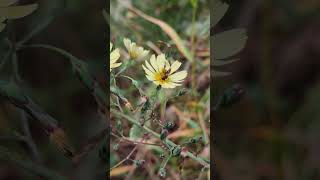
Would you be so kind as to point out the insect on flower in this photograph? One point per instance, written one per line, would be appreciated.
(162, 73)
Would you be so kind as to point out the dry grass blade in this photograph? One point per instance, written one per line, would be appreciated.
(168, 30)
(120, 170)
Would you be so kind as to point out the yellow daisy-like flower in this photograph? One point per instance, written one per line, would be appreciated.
(135, 52)
(114, 56)
(162, 73)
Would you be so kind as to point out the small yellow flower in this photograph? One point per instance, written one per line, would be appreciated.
(114, 56)
(134, 51)
(162, 73)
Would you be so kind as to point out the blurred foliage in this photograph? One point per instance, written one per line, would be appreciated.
(53, 93)
(271, 132)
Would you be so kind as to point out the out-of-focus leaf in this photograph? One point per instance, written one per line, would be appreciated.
(205, 27)
(228, 43)
(135, 132)
(106, 16)
(2, 26)
(220, 74)
(9, 156)
(5, 3)
(47, 12)
(15, 12)
(168, 30)
(11, 91)
(218, 10)
(81, 70)
(221, 62)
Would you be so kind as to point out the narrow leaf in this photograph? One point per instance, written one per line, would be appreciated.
(6, 3)
(42, 18)
(16, 12)
(228, 43)
(223, 62)
(221, 74)
(218, 10)
(2, 26)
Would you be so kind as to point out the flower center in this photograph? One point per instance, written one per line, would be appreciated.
(162, 76)
(133, 54)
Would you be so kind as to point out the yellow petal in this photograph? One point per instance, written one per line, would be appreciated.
(114, 56)
(154, 63)
(127, 43)
(150, 67)
(150, 78)
(114, 65)
(175, 66)
(178, 76)
(148, 72)
(161, 62)
(170, 85)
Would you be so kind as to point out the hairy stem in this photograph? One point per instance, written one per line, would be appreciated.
(172, 144)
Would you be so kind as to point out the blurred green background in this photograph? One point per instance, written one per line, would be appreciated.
(79, 28)
(272, 133)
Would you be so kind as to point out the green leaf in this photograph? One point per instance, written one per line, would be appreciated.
(2, 26)
(135, 83)
(6, 3)
(218, 9)
(228, 43)
(11, 91)
(135, 132)
(221, 74)
(16, 12)
(81, 70)
(221, 63)
(42, 18)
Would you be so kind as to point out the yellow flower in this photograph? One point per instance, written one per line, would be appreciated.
(134, 51)
(162, 73)
(114, 56)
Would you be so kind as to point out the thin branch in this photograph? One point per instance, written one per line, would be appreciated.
(188, 154)
(125, 159)
(28, 138)
(134, 142)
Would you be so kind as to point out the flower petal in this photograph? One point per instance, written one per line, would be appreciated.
(170, 85)
(154, 63)
(127, 43)
(176, 77)
(150, 78)
(150, 67)
(161, 62)
(114, 56)
(148, 72)
(175, 66)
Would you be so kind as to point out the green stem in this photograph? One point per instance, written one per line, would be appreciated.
(15, 67)
(193, 31)
(135, 122)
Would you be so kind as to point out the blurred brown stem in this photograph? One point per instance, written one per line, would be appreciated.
(28, 138)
